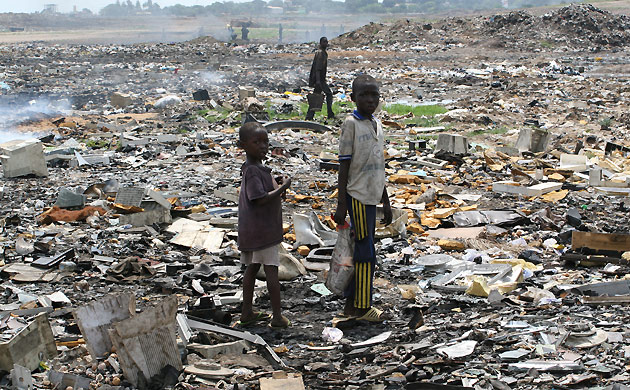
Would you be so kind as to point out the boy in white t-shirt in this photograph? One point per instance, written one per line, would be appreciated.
(361, 187)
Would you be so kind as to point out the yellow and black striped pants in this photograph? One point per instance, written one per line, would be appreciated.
(363, 219)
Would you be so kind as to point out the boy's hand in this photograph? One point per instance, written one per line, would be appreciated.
(340, 214)
(387, 213)
(285, 182)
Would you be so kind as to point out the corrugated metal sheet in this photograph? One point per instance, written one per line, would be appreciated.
(146, 343)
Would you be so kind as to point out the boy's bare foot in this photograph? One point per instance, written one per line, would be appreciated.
(280, 323)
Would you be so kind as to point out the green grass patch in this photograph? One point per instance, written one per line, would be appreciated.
(97, 144)
(425, 137)
(546, 44)
(605, 123)
(422, 122)
(270, 33)
(281, 116)
(404, 109)
(423, 116)
(339, 108)
(262, 33)
(213, 116)
(494, 130)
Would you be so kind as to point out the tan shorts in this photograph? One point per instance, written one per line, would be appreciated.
(267, 256)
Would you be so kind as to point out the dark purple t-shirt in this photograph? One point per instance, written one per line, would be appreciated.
(259, 227)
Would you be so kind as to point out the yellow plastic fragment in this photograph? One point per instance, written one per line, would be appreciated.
(478, 287)
(519, 262)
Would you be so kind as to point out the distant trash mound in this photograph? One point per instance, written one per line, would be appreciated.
(205, 40)
(592, 24)
(574, 26)
(577, 26)
(515, 18)
(373, 34)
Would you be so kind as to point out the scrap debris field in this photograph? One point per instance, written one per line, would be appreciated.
(508, 169)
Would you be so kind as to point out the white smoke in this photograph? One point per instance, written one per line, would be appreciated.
(213, 77)
(14, 114)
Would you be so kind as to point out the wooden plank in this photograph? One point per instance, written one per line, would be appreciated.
(600, 241)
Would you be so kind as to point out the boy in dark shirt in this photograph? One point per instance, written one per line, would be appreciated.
(317, 78)
(260, 224)
(361, 187)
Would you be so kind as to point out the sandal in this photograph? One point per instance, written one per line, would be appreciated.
(285, 324)
(258, 317)
(372, 315)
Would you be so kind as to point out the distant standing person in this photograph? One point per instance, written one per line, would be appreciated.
(280, 33)
(244, 33)
(231, 32)
(317, 78)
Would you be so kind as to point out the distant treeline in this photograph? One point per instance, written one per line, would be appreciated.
(258, 7)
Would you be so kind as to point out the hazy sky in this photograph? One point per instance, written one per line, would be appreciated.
(67, 5)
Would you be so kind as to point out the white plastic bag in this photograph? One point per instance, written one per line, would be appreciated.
(341, 264)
